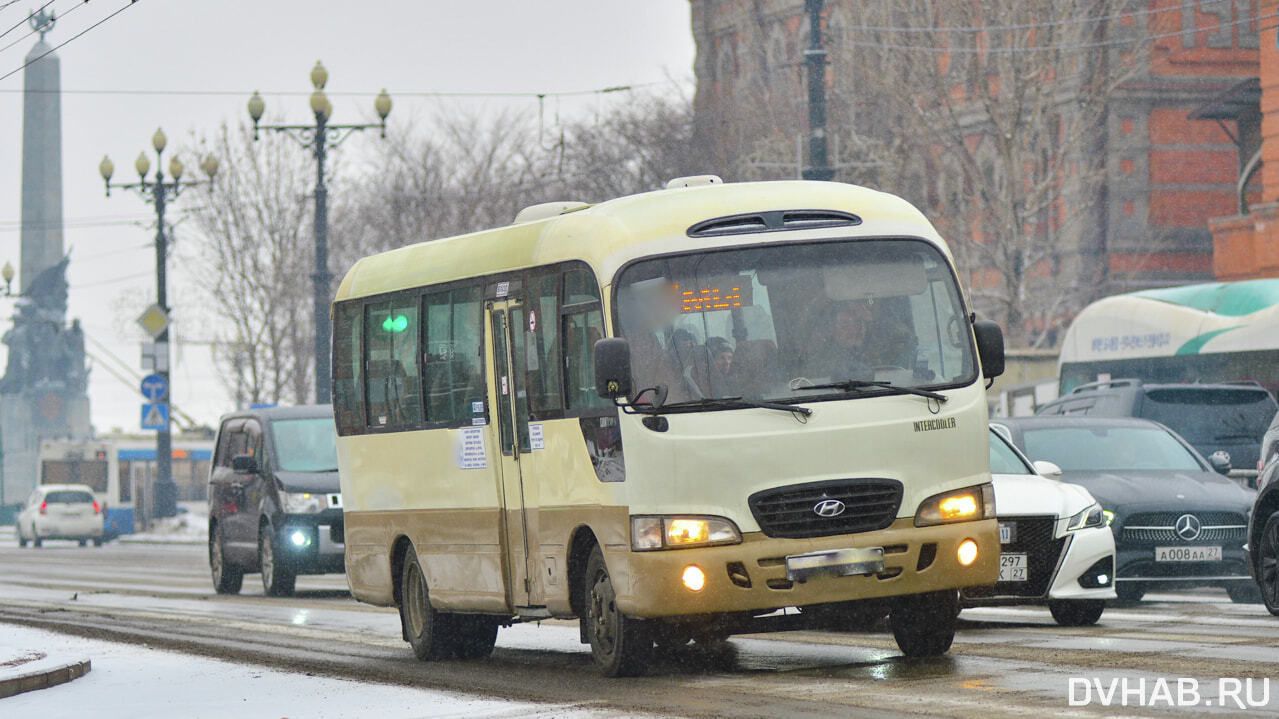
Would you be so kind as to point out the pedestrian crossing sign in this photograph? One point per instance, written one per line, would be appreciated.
(155, 415)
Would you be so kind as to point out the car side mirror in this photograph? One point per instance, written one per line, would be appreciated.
(990, 347)
(1047, 469)
(244, 464)
(612, 368)
(1220, 461)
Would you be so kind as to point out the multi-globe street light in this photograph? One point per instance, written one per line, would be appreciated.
(319, 138)
(157, 191)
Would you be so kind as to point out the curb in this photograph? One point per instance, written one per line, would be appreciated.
(42, 675)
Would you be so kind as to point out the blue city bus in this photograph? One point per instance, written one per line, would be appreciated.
(122, 472)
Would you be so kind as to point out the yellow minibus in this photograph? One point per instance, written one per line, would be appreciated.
(675, 416)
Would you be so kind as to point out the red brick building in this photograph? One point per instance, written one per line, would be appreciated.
(1246, 239)
(1165, 173)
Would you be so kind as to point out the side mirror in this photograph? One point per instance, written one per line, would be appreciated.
(244, 464)
(1220, 461)
(990, 347)
(1047, 469)
(612, 368)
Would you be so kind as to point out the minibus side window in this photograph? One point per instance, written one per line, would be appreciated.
(452, 374)
(583, 326)
(347, 384)
(541, 349)
(392, 388)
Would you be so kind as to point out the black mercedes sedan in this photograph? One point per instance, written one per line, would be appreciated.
(1177, 522)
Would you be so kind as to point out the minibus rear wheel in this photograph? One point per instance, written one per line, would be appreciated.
(429, 632)
(620, 645)
(924, 624)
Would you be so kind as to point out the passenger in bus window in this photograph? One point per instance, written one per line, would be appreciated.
(842, 350)
(721, 366)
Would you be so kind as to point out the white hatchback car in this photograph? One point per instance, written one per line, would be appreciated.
(1056, 546)
(61, 511)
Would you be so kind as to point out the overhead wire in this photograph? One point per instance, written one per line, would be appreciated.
(21, 22)
(69, 40)
(79, 4)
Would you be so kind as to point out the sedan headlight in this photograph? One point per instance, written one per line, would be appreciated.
(1092, 516)
(959, 505)
(650, 532)
(302, 502)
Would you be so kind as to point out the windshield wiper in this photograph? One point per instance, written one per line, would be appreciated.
(849, 385)
(733, 403)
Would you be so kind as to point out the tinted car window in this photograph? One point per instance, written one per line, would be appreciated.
(305, 445)
(1202, 415)
(68, 496)
(1003, 460)
(1087, 449)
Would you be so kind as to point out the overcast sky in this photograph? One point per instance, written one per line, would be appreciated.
(188, 66)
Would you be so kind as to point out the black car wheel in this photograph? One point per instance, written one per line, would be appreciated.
(22, 539)
(1268, 564)
(1077, 612)
(1129, 592)
(278, 578)
(620, 645)
(924, 624)
(226, 579)
(429, 632)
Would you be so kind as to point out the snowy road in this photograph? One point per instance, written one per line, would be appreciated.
(1009, 662)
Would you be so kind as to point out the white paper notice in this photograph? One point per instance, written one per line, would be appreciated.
(470, 448)
(535, 439)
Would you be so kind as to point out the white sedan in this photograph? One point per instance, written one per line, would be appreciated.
(1056, 546)
(61, 511)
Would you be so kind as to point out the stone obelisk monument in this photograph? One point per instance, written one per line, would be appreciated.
(43, 394)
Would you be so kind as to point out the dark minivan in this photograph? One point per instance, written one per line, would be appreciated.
(1228, 417)
(275, 505)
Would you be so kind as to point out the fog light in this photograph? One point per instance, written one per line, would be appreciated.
(967, 552)
(694, 578)
(300, 539)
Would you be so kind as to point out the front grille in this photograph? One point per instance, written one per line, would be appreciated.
(1159, 528)
(788, 512)
(1032, 536)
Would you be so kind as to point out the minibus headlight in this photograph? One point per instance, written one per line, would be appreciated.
(959, 505)
(649, 532)
(1088, 517)
(302, 502)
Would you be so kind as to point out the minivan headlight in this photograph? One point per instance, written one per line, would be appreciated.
(302, 502)
(1088, 517)
(958, 505)
(650, 532)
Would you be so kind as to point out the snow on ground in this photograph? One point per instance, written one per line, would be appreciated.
(186, 527)
(140, 683)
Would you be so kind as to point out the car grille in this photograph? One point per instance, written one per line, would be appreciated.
(788, 512)
(1159, 528)
(1034, 537)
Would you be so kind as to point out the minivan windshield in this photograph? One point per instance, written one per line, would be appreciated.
(1092, 449)
(305, 445)
(778, 322)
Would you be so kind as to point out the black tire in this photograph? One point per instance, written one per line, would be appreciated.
(97, 541)
(426, 630)
(37, 542)
(278, 578)
(84, 542)
(1077, 612)
(1128, 592)
(1267, 570)
(924, 624)
(1244, 593)
(474, 635)
(22, 539)
(226, 579)
(620, 645)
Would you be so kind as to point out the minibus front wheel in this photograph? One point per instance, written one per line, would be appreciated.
(620, 645)
(924, 624)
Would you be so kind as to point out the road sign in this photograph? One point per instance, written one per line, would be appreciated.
(155, 356)
(155, 415)
(155, 387)
(155, 321)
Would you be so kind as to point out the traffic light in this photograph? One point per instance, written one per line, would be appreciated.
(398, 323)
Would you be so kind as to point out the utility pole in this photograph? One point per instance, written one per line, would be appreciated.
(815, 57)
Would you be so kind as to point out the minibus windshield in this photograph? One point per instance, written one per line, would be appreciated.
(792, 322)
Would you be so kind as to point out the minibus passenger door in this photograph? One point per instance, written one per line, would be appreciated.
(518, 497)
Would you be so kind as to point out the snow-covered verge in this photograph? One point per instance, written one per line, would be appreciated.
(139, 683)
(186, 527)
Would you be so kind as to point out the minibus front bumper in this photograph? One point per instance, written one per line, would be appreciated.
(753, 576)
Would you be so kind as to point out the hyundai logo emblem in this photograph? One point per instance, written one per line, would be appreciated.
(828, 508)
(1187, 527)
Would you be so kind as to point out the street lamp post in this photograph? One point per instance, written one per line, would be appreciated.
(319, 138)
(157, 192)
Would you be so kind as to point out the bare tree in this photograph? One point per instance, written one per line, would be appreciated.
(254, 256)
